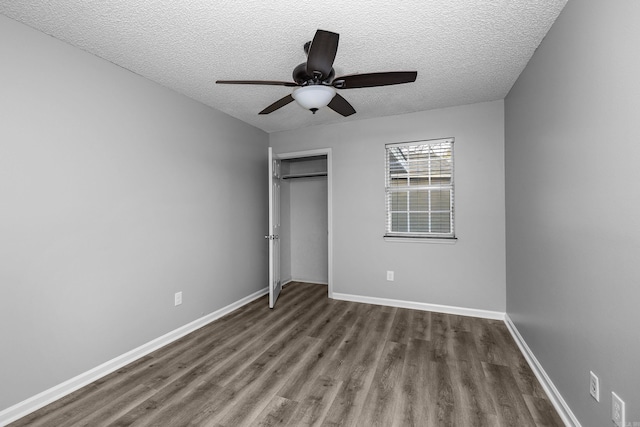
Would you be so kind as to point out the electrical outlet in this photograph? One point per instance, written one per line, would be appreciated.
(617, 410)
(390, 276)
(177, 298)
(594, 386)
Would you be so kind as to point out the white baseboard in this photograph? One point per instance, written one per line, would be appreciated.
(448, 309)
(285, 281)
(312, 281)
(40, 400)
(554, 395)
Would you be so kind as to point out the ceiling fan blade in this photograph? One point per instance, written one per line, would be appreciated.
(354, 81)
(341, 106)
(257, 82)
(322, 53)
(278, 104)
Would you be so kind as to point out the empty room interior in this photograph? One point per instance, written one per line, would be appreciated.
(169, 256)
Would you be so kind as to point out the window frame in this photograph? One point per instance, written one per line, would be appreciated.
(421, 236)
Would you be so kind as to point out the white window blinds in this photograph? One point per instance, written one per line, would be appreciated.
(419, 189)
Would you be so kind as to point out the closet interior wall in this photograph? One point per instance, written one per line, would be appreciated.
(304, 220)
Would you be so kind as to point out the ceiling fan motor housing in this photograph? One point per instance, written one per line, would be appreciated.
(301, 77)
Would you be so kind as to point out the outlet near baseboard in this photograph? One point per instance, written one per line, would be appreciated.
(594, 386)
(617, 410)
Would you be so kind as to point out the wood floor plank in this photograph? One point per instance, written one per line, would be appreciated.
(360, 370)
(527, 381)
(365, 338)
(460, 323)
(442, 389)
(401, 327)
(473, 402)
(340, 360)
(175, 411)
(244, 369)
(542, 411)
(384, 394)
(513, 355)
(462, 346)
(299, 384)
(510, 405)
(313, 361)
(330, 317)
(277, 413)
(117, 407)
(314, 404)
(490, 343)
(415, 405)
(212, 410)
(274, 337)
(251, 399)
(421, 325)
(441, 338)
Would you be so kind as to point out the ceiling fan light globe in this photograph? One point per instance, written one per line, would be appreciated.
(314, 97)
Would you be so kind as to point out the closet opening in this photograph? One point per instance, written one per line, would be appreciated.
(305, 217)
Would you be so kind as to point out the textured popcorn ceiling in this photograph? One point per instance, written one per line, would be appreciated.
(465, 51)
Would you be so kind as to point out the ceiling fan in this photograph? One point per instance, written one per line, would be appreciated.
(316, 82)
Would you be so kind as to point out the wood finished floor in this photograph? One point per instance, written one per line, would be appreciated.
(316, 361)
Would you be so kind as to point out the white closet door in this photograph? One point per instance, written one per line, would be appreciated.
(275, 283)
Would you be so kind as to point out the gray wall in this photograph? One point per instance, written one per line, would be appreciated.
(115, 194)
(470, 273)
(308, 212)
(573, 205)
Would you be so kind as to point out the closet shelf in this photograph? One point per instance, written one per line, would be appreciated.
(303, 175)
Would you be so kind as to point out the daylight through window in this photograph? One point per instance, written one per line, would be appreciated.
(419, 189)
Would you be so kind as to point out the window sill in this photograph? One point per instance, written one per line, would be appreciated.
(429, 240)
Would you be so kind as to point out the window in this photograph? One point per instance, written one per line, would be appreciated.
(419, 189)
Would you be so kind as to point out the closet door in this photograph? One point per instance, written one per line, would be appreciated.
(275, 283)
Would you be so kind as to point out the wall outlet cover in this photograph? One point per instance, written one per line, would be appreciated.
(390, 276)
(617, 410)
(177, 299)
(594, 386)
